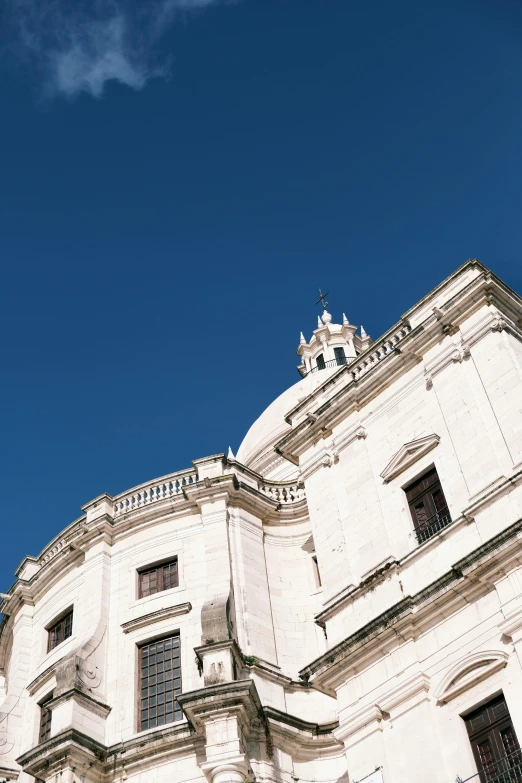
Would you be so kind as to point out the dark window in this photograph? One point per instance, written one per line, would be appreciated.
(428, 506)
(160, 683)
(45, 720)
(317, 574)
(60, 631)
(340, 356)
(320, 362)
(494, 743)
(161, 577)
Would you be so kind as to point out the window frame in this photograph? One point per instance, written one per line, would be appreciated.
(52, 626)
(177, 714)
(158, 568)
(340, 355)
(491, 732)
(46, 717)
(320, 362)
(417, 492)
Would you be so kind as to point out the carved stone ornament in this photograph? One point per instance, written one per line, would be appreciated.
(408, 454)
(331, 457)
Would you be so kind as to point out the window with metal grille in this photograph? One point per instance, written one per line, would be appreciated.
(60, 631)
(428, 506)
(45, 720)
(160, 682)
(158, 578)
(321, 364)
(494, 742)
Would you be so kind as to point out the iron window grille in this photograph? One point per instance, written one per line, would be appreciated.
(494, 744)
(61, 630)
(160, 682)
(428, 507)
(159, 578)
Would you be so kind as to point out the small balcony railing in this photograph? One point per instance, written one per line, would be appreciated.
(504, 770)
(337, 362)
(433, 525)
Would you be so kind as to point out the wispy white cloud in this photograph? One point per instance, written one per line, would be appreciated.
(79, 45)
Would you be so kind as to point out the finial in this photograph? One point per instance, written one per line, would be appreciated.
(346, 322)
(230, 454)
(302, 340)
(363, 333)
(319, 322)
(322, 299)
(326, 317)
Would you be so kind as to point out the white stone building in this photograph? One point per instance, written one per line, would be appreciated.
(341, 602)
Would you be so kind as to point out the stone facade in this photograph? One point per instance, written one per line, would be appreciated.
(324, 636)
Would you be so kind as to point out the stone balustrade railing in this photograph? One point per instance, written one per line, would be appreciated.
(153, 491)
(73, 532)
(284, 492)
(379, 351)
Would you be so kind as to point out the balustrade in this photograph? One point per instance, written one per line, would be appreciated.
(283, 492)
(154, 491)
(379, 351)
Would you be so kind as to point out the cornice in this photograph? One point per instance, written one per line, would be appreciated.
(303, 738)
(238, 696)
(67, 547)
(144, 750)
(326, 667)
(406, 695)
(156, 617)
(314, 729)
(149, 748)
(8, 773)
(85, 699)
(70, 744)
(328, 454)
(376, 369)
(384, 570)
(362, 723)
(44, 677)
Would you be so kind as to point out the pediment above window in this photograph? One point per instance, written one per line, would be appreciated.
(468, 671)
(408, 454)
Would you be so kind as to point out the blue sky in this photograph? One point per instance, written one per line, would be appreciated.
(178, 179)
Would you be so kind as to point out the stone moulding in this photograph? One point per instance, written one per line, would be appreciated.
(83, 698)
(405, 696)
(360, 725)
(71, 744)
(302, 737)
(7, 773)
(468, 671)
(315, 729)
(408, 454)
(482, 290)
(323, 667)
(156, 617)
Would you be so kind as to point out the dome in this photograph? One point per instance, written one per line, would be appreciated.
(257, 449)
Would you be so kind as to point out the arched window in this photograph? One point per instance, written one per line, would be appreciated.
(320, 362)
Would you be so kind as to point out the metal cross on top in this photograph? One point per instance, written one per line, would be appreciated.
(322, 299)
